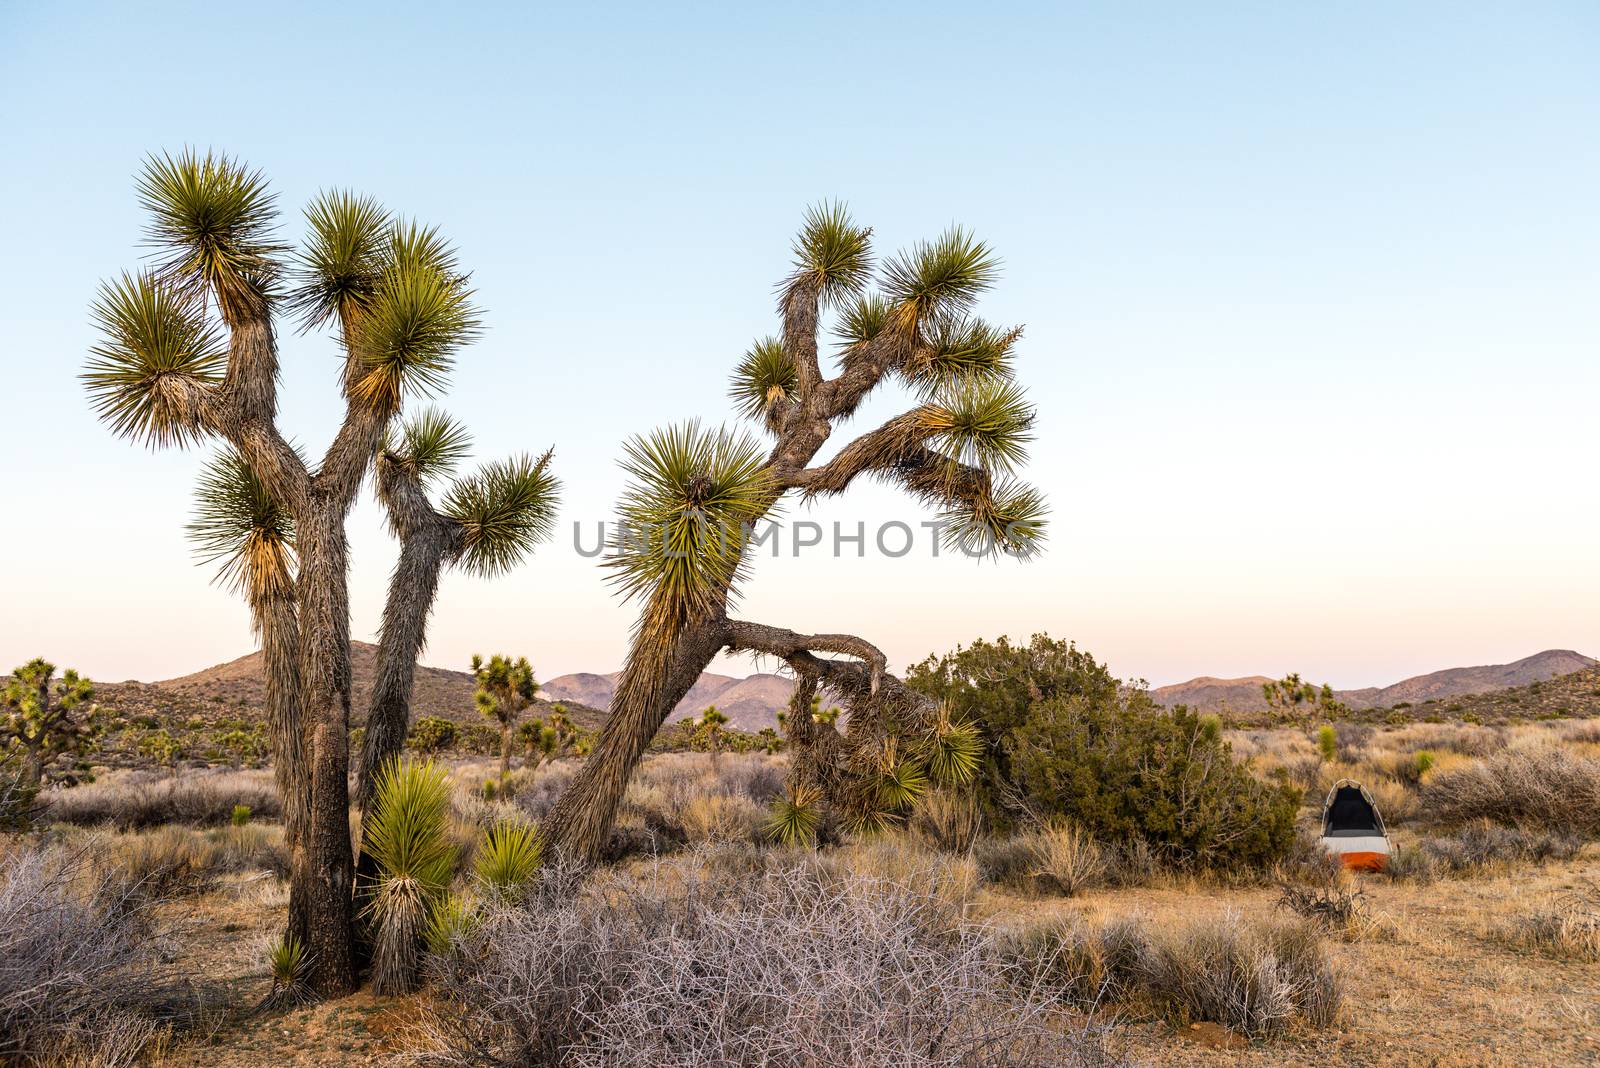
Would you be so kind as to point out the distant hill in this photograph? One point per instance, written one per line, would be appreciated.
(438, 692)
(749, 703)
(1244, 695)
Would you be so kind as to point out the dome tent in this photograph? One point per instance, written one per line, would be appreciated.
(1352, 827)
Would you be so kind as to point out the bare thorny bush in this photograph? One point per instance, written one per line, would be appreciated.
(797, 966)
(78, 957)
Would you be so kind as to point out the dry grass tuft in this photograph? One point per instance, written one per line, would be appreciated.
(1570, 929)
(135, 800)
(1532, 786)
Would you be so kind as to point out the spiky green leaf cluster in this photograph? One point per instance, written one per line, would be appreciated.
(453, 920)
(685, 516)
(212, 223)
(795, 817)
(342, 262)
(941, 277)
(982, 423)
(959, 350)
(508, 857)
(832, 251)
(764, 381)
(151, 337)
(407, 336)
(505, 509)
(429, 444)
(952, 752)
(405, 829)
(238, 523)
(1011, 520)
(862, 319)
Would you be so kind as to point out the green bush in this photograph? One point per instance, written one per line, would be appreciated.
(240, 815)
(996, 685)
(1127, 769)
(1328, 743)
(429, 734)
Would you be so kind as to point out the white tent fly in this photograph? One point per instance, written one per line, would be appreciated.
(1352, 827)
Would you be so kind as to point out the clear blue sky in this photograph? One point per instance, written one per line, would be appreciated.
(1312, 296)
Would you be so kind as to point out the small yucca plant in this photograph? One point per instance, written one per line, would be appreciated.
(290, 964)
(953, 751)
(508, 857)
(453, 920)
(240, 815)
(795, 817)
(406, 834)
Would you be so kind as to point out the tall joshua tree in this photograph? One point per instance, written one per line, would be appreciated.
(39, 719)
(189, 351)
(506, 687)
(486, 524)
(693, 490)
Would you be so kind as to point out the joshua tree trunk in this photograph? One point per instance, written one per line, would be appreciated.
(278, 623)
(32, 768)
(426, 542)
(324, 671)
(657, 676)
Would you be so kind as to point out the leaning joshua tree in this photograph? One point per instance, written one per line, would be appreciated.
(694, 493)
(189, 351)
(487, 523)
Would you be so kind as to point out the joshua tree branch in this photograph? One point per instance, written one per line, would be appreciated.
(797, 649)
(799, 308)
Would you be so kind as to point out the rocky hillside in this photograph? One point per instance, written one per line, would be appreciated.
(750, 703)
(1244, 695)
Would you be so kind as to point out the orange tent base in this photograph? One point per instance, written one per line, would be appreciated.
(1364, 861)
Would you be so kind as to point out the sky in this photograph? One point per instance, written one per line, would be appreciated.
(1311, 296)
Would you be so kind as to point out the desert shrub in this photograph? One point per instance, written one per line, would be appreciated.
(997, 685)
(1336, 907)
(429, 734)
(1479, 847)
(1571, 928)
(173, 860)
(135, 800)
(1253, 978)
(1540, 786)
(1328, 742)
(1064, 858)
(721, 818)
(1463, 738)
(79, 965)
(1085, 966)
(1124, 768)
(949, 820)
(240, 815)
(18, 798)
(649, 970)
(1352, 739)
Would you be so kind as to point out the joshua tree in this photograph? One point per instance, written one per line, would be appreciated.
(488, 522)
(189, 351)
(505, 689)
(709, 728)
(695, 493)
(41, 723)
(239, 524)
(1291, 693)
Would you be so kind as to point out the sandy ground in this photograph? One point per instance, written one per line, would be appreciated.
(1435, 988)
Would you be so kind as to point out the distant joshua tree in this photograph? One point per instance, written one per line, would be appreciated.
(695, 492)
(42, 720)
(709, 727)
(1292, 693)
(506, 688)
(188, 352)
